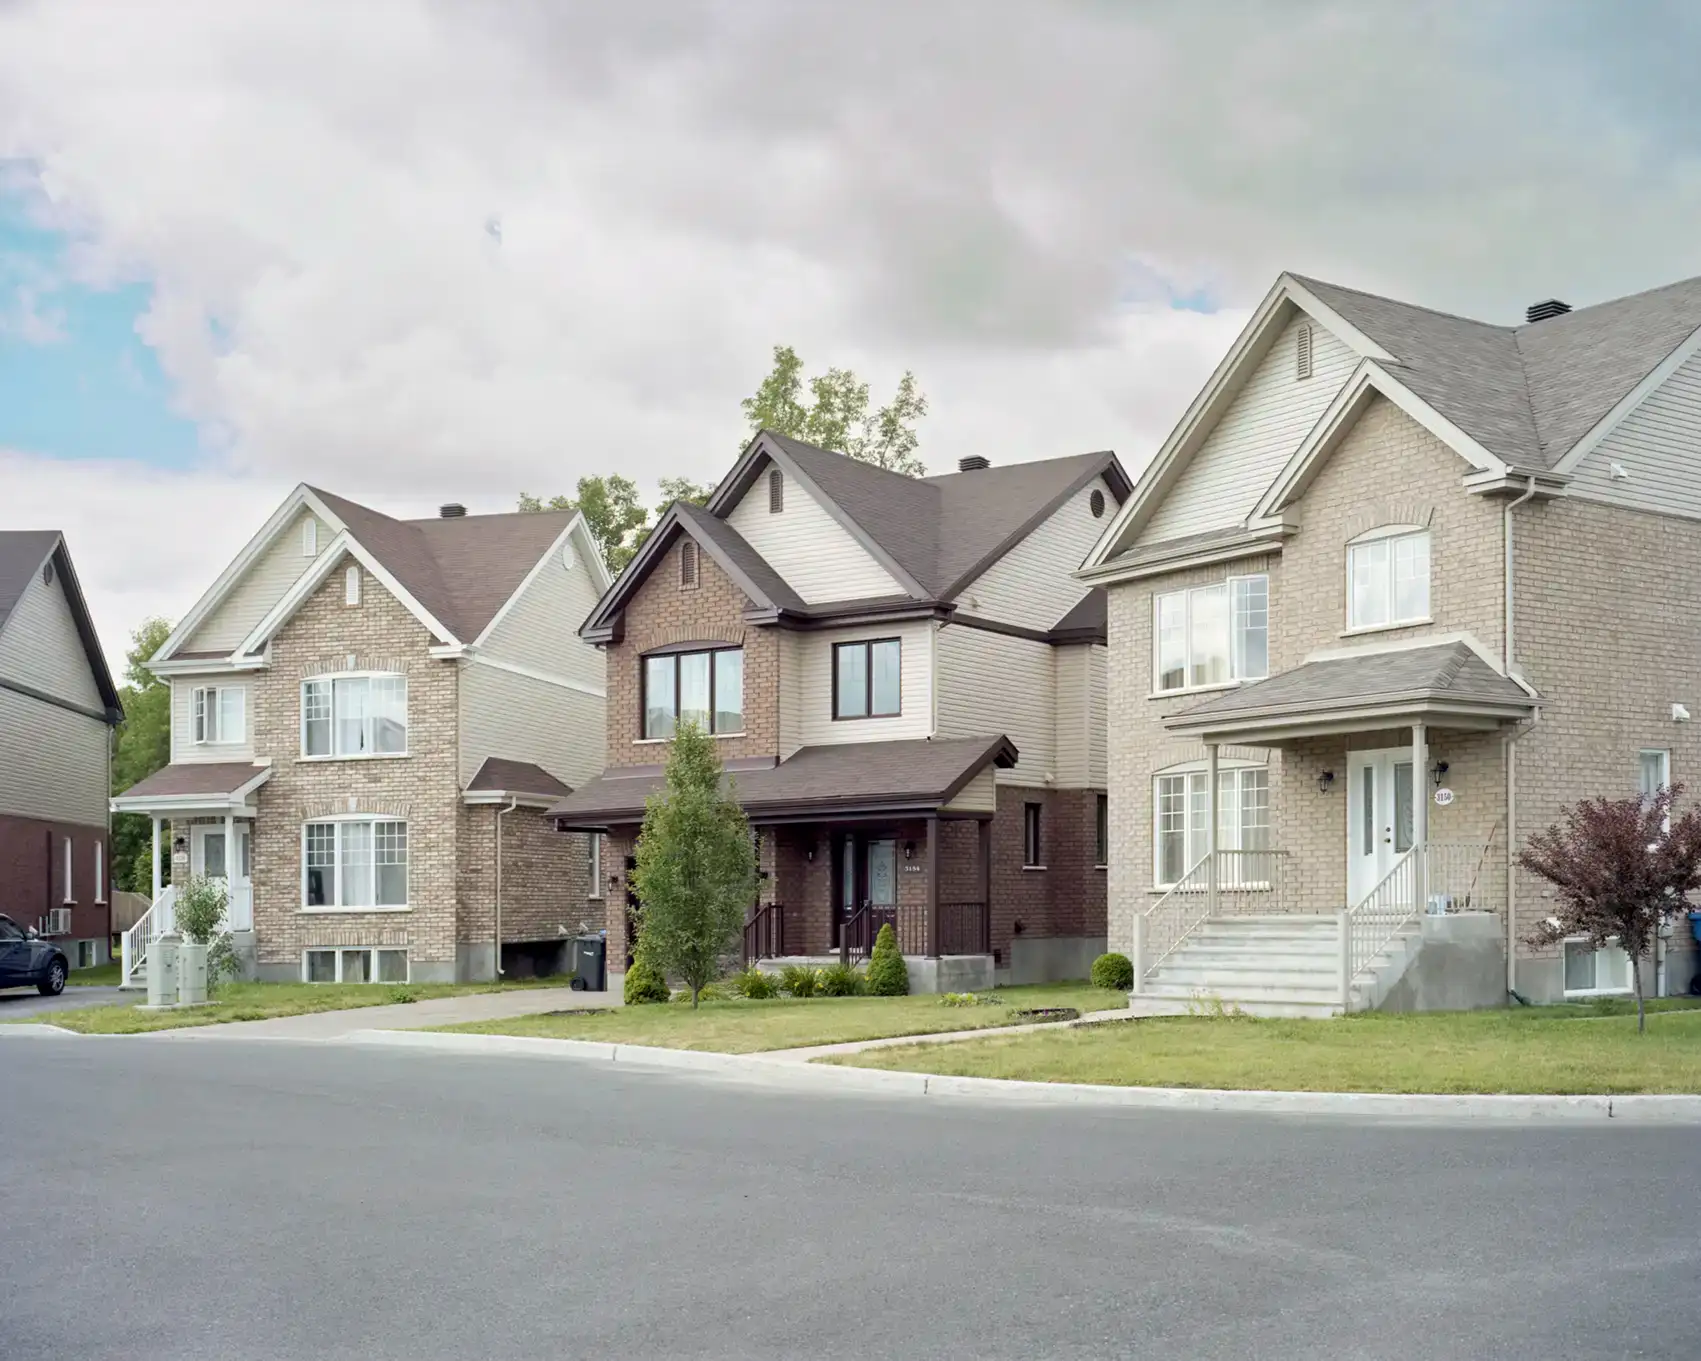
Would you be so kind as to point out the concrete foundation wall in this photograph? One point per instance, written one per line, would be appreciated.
(950, 973)
(1461, 967)
(1050, 960)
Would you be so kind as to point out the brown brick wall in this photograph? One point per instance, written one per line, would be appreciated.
(32, 874)
(543, 877)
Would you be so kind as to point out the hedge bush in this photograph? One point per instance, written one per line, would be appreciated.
(888, 976)
(840, 980)
(644, 982)
(1113, 971)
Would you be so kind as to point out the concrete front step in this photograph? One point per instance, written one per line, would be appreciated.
(1145, 1005)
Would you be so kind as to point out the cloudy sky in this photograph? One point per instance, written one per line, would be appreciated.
(419, 251)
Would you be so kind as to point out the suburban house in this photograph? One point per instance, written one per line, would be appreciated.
(906, 684)
(368, 718)
(1398, 587)
(57, 711)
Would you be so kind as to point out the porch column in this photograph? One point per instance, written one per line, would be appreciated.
(1420, 818)
(155, 898)
(933, 888)
(1211, 817)
(985, 827)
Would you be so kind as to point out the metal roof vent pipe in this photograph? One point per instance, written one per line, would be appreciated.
(974, 463)
(453, 511)
(1546, 310)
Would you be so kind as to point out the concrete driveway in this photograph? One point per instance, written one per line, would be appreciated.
(17, 1003)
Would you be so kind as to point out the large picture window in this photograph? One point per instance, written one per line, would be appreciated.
(705, 688)
(1211, 635)
(355, 863)
(868, 679)
(1183, 817)
(354, 716)
(1388, 580)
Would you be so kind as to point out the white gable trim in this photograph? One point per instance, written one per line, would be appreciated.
(1629, 402)
(314, 577)
(301, 498)
(588, 552)
(471, 658)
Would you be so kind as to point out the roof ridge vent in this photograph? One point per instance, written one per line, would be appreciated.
(973, 463)
(1546, 310)
(454, 510)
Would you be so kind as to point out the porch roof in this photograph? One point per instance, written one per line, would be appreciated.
(498, 780)
(1448, 684)
(851, 779)
(191, 785)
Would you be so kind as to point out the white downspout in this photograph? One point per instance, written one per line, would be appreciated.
(513, 803)
(1512, 755)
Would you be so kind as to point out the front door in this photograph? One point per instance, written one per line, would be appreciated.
(1379, 817)
(882, 885)
(211, 858)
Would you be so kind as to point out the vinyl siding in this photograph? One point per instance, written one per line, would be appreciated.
(1256, 436)
(990, 683)
(541, 629)
(521, 719)
(1032, 585)
(791, 647)
(1659, 445)
(1070, 665)
(1098, 716)
(809, 548)
(184, 749)
(40, 646)
(272, 573)
(53, 763)
(815, 686)
(979, 795)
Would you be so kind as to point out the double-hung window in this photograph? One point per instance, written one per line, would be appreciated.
(355, 863)
(1388, 580)
(1183, 813)
(705, 688)
(1212, 635)
(218, 714)
(868, 679)
(354, 716)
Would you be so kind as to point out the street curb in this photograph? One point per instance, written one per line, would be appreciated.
(768, 1071)
(33, 1028)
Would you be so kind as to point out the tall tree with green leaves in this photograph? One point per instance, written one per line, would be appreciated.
(612, 511)
(141, 745)
(836, 414)
(696, 871)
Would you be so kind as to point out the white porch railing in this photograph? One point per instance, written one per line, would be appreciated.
(158, 920)
(1222, 884)
(1437, 878)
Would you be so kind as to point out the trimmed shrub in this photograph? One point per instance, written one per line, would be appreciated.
(840, 980)
(713, 992)
(800, 980)
(644, 982)
(888, 975)
(1113, 971)
(756, 984)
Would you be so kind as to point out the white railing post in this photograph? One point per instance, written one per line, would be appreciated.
(1344, 921)
(1139, 952)
(1212, 818)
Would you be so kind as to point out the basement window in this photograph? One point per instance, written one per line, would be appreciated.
(362, 965)
(1592, 973)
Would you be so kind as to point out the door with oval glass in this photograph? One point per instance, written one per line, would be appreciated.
(1379, 816)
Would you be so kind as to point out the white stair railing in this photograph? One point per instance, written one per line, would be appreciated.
(1222, 884)
(160, 919)
(1368, 927)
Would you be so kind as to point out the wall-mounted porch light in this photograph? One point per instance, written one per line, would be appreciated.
(909, 850)
(1439, 772)
(1325, 782)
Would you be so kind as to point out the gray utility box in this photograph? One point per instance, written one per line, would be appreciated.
(589, 964)
(191, 974)
(162, 970)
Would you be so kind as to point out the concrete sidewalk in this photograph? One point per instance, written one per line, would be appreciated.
(809, 1053)
(334, 1025)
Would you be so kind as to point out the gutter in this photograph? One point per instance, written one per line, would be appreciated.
(1512, 753)
(501, 813)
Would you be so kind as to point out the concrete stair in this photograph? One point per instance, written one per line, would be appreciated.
(1281, 965)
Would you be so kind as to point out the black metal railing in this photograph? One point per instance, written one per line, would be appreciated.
(765, 934)
(964, 929)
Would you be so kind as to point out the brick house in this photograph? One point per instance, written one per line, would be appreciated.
(369, 717)
(58, 707)
(906, 685)
(1398, 587)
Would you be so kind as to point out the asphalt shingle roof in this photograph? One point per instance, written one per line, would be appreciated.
(499, 775)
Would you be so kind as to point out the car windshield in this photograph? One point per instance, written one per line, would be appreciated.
(9, 929)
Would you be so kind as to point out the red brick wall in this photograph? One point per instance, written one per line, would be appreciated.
(1067, 897)
(32, 874)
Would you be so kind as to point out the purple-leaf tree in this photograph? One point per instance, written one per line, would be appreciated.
(1621, 868)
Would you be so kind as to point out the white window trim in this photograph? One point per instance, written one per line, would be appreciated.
(1186, 592)
(1664, 753)
(1611, 943)
(351, 584)
(332, 909)
(70, 895)
(372, 963)
(1159, 885)
(1391, 532)
(206, 715)
(593, 854)
(407, 725)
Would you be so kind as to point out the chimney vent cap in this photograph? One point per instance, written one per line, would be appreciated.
(1546, 310)
(973, 463)
(453, 510)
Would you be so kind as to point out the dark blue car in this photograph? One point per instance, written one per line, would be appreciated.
(26, 959)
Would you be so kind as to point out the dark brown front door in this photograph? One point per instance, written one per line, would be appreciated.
(880, 880)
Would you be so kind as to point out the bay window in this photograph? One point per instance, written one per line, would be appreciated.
(705, 688)
(218, 714)
(360, 715)
(867, 679)
(1211, 635)
(1182, 817)
(355, 863)
(1388, 580)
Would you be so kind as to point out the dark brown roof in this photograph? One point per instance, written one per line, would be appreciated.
(211, 778)
(500, 776)
(912, 776)
(462, 570)
(1086, 622)
(22, 555)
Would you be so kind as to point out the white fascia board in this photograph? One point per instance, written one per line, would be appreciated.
(478, 797)
(1629, 402)
(587, 552)
(239, 566)
(1321, 311)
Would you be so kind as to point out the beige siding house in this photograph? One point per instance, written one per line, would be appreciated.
(369, 716)
(1399, 587)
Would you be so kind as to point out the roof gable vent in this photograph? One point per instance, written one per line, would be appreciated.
(1546, 310)
(974, 463)
(453, 511)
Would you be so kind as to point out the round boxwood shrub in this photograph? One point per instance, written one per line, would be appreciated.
(1113, 971)
(888, 976)
(644, 982)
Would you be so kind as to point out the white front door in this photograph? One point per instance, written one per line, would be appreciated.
(210, 857)
(1379, 816)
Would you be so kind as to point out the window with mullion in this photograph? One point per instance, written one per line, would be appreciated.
(705, 688)
(1182, 811)
(868, 679)
(354, 716)
(1388, 580)
(1210, 635)
(356, 863)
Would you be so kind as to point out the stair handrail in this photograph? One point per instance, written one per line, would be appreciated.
(1368, 925)
(159, 920)
(1230, 882)
(1160, 929)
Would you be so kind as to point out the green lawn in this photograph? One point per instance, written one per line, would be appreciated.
(1543, 1049)
(262, 1001)
(741, 1027)
(101, 976)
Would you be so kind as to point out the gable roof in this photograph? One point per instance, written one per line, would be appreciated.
(515, 779)
(23, 553)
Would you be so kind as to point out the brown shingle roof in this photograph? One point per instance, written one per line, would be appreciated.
(212, 778)
(500, 776)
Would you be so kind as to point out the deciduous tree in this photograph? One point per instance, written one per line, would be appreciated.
(611, 509)
(141, 745)
(836, 416)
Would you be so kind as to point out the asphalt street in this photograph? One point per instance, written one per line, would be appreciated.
(18, 1003)
(257, 1200)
